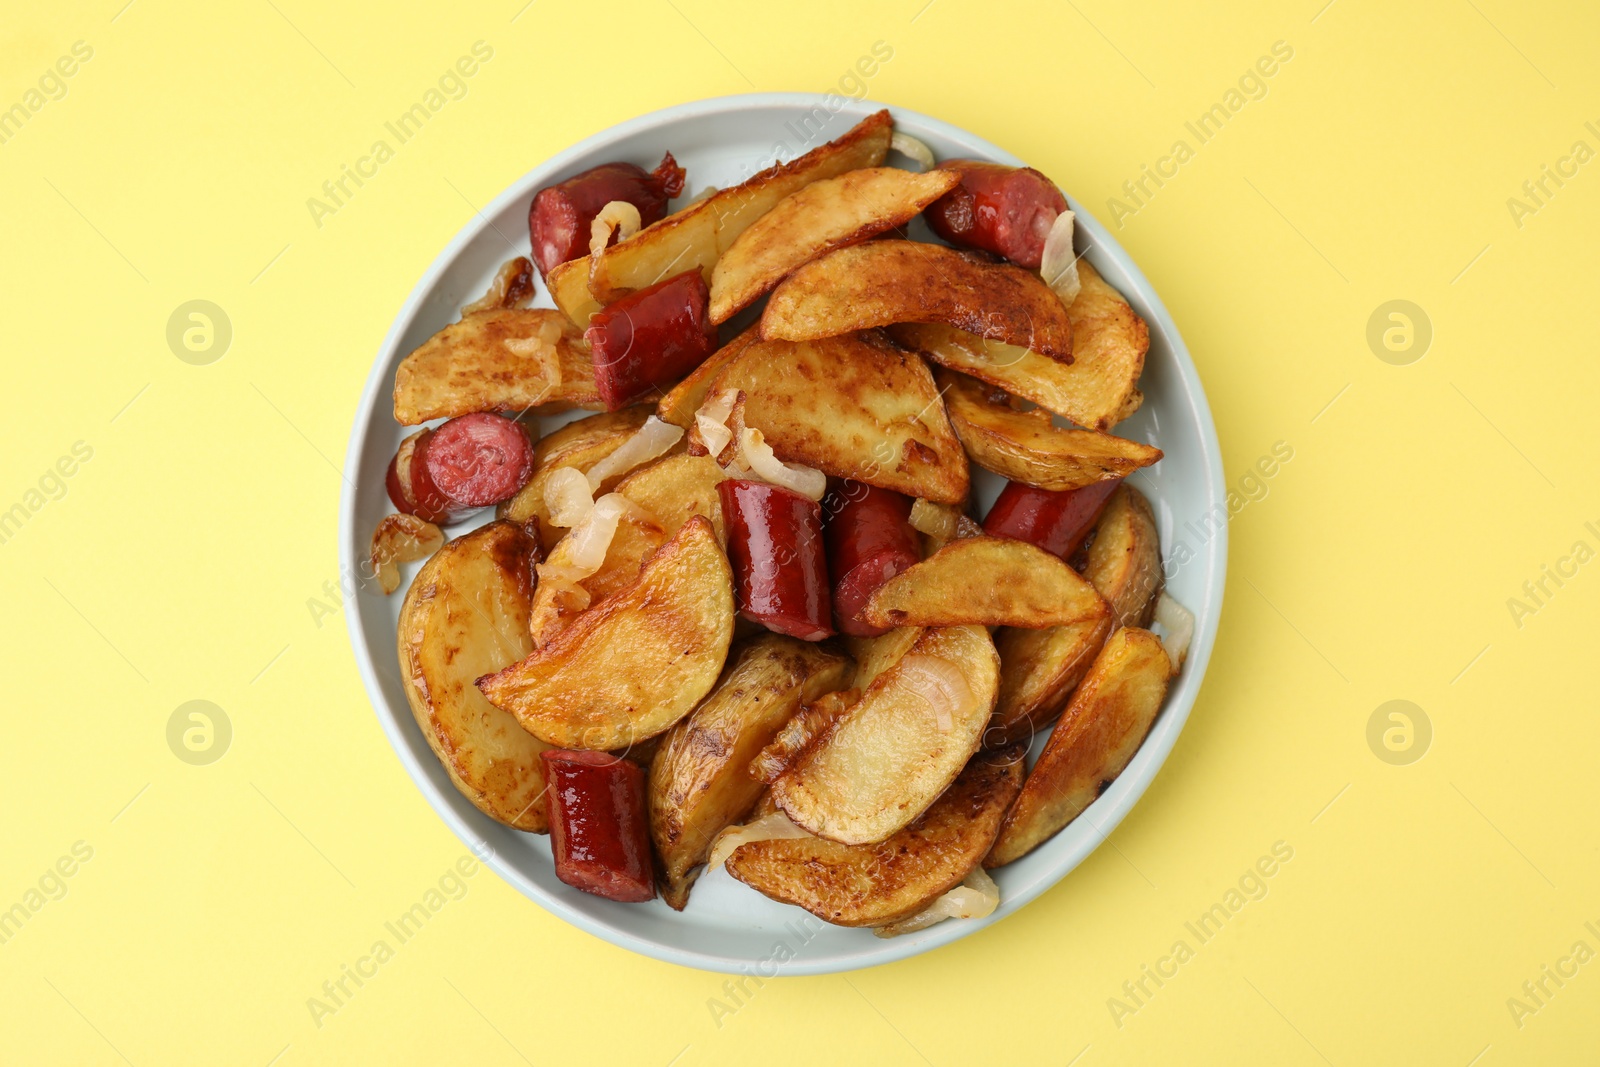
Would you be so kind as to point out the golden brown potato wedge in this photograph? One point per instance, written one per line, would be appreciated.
(488, 361)
(874, 655)
(466, 614)
(1098, 734)
(872, 885)
(1027, 447)
(797, 735)
(579, 444)
(681, 402)
(1096, 391)
(699, 779)
(827, 214)
(853, 406)
(699, 233)
(897, 748)
(1039, 669)
(1124, 558)
(884, 282)
(633, 665)
(989, 581)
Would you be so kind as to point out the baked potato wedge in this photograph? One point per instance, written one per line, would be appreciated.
(698, 234)
(884, 282)
(633, 665)
(1098, 734)
(897, 748)
(1109, 342)
(496, 360)
(873, 885)
(987, 581)
(699, 779)
(796, 736)
(679, 404)
(853, 406)
(1039, 669)
(670, 491)
(825, 215)
(466, 614)
(1027, 447)
(579, 444)
(1124, 558)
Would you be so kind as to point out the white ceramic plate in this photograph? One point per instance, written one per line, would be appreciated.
(727, 926)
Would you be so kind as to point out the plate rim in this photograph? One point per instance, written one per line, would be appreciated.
(1110, 808)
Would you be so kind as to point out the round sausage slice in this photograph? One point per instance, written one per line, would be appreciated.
(1000, 209)
(559, 217)
(472, 461)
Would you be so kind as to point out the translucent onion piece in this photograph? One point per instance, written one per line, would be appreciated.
(401, 539)
(774, 827)
(646, 443)
(617, 214)
(567, 497)
(936, 520)
(758, 456)
(591, 537)
(1059, 264)
(940, 683)
(711, 420)
(512, 287)
(974, 898)
(911, 148)
(1177, 629)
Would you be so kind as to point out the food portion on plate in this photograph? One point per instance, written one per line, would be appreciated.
(743, 614)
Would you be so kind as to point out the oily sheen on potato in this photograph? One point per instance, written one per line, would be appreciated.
(1124, 558)
(466, 614)
(1104, 725)
(633, 665)
(877, 884)
(699, 780)
(1039, 669)
(889, 756)
(579, 444)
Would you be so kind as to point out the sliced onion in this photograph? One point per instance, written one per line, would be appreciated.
(1059, 264)
(567, 497)
(401, 539)
(975, 897)
(758, 456)
(940, 683)
(936, 520)
(711, 420)
(774, 827)
(646, 443)
(911, 148)
(545, 348)
(618, 214)
(588, 541)
(1177, 629)
(512, 287)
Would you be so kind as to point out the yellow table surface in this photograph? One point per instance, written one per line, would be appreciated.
(1434, 910)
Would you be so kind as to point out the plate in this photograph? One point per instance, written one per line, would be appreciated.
(727, 926)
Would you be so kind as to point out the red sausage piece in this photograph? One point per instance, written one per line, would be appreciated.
(1055, 521)
(870, 540)
(780, 566)
(597, 824)
(559, 218)
(471, 461)
(1000, 209)
(651, 337)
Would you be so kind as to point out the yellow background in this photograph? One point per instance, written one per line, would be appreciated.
(179, 563)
